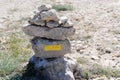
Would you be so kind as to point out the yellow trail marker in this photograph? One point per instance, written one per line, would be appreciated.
(53, 47)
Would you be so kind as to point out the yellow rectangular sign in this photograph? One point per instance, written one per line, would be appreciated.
(53, 47)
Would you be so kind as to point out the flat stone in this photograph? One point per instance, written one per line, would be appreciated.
(46, 48)
(52, 24)
(68, 24)
(58, 33)
(37, 21)
(49, 15)
(44, 7)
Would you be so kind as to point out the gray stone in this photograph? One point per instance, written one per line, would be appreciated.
(44, 7)
(49, 15)
(68, 24)
(58, 33)
(39, 62)
(52, 24)
(52, 69)
(46, 48)
(63, 20)
(37, 21)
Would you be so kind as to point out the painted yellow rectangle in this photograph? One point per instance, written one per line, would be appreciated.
(53, 47)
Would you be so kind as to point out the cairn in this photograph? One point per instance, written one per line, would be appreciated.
(50, 43)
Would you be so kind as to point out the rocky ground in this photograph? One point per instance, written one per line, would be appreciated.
(97, 38)
(99, 31)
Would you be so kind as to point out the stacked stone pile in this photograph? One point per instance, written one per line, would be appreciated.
(50, 33)
(50, 43)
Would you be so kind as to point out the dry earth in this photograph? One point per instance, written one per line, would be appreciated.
(97, 24)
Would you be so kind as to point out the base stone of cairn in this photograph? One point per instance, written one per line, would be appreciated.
(50, 69)
(50, 43)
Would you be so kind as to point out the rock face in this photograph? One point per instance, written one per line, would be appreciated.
(52, 69)
(46, 48)
(50, 43)
(54, 33)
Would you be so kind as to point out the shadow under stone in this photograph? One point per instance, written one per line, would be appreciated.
(31, 74)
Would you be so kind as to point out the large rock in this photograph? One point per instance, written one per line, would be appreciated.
(46, 48)
(44, 7)
(50, 69)
(58, 33)
(49, 15)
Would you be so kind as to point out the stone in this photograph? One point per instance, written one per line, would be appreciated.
(37, 21)
(49, 15)
(50, 69)
(52, 24)
(47, 48)
(44, 7)
(58, 33)
(63, 20)
(68, 24)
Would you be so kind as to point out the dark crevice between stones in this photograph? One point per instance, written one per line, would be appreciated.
(35, 39)
(29, 72)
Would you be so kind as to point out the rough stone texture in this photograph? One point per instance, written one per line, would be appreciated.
(52, 24)
(50, 44)
(37, 21)
(44, 7)
(49, 15)
(50, 69)
(39, 46)
(58, 33)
